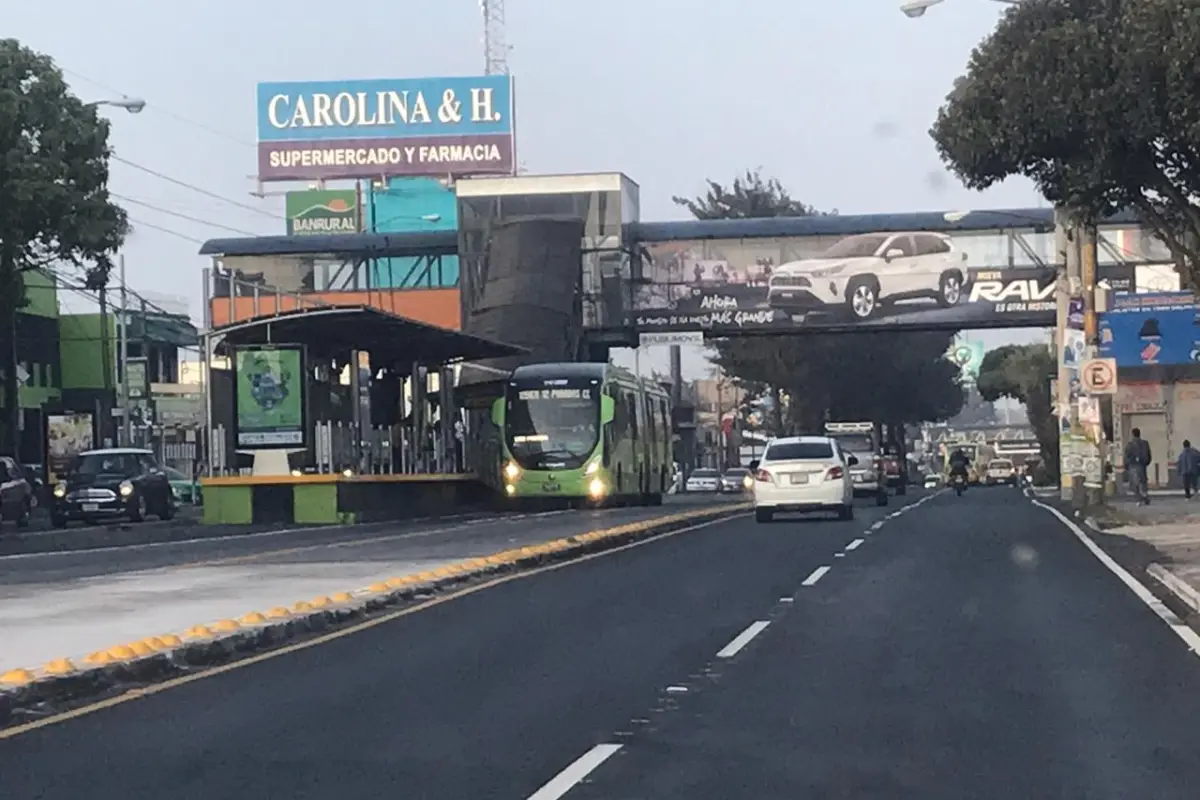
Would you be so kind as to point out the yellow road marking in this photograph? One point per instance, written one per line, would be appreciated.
(146, 691)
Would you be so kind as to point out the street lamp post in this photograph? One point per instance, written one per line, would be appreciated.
(133, 105)
(917, 8)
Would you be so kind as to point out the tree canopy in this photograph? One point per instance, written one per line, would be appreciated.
(1095, 101)
(1023, 372)
(55, 210)
(872, 376)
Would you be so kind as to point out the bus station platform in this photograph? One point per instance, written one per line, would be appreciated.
(338, 499)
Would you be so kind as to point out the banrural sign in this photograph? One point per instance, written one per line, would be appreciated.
(322, 212)
(386, 128)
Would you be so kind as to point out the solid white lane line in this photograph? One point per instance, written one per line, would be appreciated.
(742, 639)
(1181, 629)
(857, 543)
(566, 780)
(815, 576)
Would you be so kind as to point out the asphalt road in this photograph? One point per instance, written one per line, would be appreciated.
(965, 648)
(425, 539)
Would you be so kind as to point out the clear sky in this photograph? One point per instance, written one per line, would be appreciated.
(835, 98)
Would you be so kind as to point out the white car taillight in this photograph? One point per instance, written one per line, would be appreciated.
(834, 473)
(764, 476)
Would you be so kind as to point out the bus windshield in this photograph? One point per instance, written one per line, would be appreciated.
(552, 427)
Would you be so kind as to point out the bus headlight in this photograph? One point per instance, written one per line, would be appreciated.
(60, 490)
(512, 471)
(509, 489)
(126, 488)
(597, 489)
(592, 468)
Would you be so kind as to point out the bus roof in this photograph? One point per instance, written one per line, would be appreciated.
(584, 370)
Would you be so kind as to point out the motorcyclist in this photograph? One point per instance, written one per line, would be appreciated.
(959, 462)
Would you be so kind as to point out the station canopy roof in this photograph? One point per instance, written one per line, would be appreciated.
(390, 339)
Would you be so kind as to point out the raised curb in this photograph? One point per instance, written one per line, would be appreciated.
(26, 695)
(1181, 589)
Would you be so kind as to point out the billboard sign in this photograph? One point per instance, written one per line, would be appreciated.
(322, 212)
(269, 397)
(1151, 329)
(915, 280)
(386, 128)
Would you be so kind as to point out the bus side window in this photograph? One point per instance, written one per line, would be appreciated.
(665, 418)
(631, 411)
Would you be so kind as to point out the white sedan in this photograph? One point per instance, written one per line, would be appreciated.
(703, 480)
(802, 474)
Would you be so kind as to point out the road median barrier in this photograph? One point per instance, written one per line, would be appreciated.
(29, 694)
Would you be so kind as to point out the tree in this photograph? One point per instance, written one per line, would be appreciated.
(55, 209)
(1095, 101)
(823, 376)
(1023, 372)
(749, 197)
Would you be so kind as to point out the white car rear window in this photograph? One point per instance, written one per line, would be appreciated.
(798, 451)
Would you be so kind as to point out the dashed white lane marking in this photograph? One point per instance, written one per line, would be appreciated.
(877, 525)
(579, 769)
(857, 543)
(839, 555)
(742, 639)
(815, 576)
(1189, 636)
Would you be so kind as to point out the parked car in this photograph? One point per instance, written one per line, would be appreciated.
(120, 482)
(17, 497)
(1000, 471)
(736, 481)
(187, 490)
(703, 480)
(803, 474)
(860, 274)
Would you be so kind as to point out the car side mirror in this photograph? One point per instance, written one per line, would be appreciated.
(851, 460)
(894, 253)
(754, 465)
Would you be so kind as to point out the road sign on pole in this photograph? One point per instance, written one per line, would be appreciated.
(1099, 376)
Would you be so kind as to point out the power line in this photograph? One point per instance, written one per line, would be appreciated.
(178, 214)
(190, 187)
(163, 110)
(161, 229)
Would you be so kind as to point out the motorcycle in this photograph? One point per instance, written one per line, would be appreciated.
(959, 482)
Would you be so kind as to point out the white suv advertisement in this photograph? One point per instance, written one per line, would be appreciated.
(862, 275)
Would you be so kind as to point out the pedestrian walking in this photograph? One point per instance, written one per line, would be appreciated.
(1188, 466)
(1137, 462)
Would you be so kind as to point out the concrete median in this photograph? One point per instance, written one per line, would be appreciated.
(29, 694)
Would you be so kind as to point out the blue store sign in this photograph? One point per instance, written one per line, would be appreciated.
(1147, 329)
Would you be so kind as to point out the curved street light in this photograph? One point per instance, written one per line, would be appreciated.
(133, 105)
(917, 8)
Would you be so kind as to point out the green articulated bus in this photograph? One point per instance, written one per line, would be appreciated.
(586, 431)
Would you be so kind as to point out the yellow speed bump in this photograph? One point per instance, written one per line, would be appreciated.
(278, 612)
(343, 597)
(140, 648)
(302, 607)
(198, 632)
(253, 618)
(59, 666)
(98, 658)
(226, 626)
(170, 641)
(441, 572)
(396, 583)
(16, 677)
(122, 652)
(321, 602)
(154, 643)
(379, 588)
(425, 577)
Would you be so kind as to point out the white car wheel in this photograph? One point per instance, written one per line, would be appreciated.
(863, 300)
(950, 291)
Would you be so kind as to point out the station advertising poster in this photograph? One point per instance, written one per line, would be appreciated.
(906, 281)
(322, 212)
(386, 128)
(1150, 329)
(270, 402)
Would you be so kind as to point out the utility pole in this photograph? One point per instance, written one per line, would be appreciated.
(495, 48)
(1091, 333)
(123, 356)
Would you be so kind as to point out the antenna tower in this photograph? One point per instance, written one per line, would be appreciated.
(495, 50)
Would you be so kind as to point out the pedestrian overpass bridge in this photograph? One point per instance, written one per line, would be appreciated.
(906, 271)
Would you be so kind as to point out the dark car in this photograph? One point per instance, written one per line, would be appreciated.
(736, 481)
(113, 483)
(16, 493)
